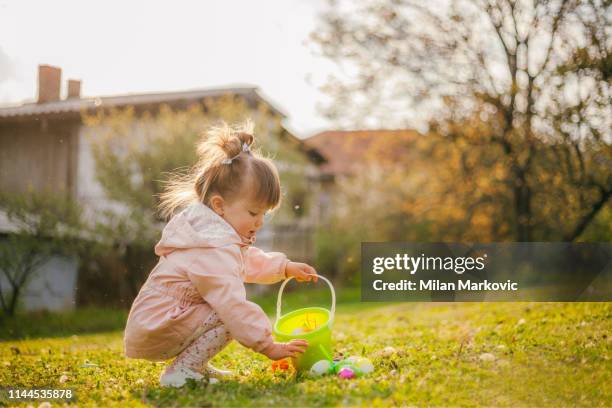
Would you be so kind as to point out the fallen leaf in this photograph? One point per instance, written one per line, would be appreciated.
(388, 351)
(486, 357)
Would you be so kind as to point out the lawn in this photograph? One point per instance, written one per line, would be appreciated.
(462, 354)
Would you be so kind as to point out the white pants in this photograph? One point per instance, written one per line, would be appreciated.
(206, 342)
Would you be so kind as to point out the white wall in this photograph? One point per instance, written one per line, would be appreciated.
(52, 286)
(89, 192)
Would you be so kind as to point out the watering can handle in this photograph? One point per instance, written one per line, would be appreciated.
(333, 293)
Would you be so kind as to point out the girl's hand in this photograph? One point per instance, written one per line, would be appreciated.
(301, 271)
(277, 351)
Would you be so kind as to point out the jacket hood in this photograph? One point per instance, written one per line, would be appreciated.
(197, 226)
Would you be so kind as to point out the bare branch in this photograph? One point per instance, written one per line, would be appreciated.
(558, 17)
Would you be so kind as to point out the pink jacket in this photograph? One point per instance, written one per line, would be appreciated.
(203, 264)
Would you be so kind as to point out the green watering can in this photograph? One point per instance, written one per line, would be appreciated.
(312, 324)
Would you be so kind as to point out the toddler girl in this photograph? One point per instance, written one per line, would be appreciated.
(194, 303)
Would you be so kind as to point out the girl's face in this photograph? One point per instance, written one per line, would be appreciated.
(245, 215)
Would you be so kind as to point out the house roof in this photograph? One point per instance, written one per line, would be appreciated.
(72, 107)
(343, 149)
(77, 105)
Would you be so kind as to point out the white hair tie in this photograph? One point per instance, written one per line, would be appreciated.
(245, 149)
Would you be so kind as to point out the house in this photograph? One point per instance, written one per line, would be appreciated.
(43, 145)
(346, 150)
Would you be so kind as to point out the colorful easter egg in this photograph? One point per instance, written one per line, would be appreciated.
(346, 373)
(363, 364)
(282, 365)
(344, 363)
(321, 367)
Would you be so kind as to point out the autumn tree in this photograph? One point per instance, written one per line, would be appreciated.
(522, 84)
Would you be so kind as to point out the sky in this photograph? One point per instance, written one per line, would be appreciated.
(121, 47)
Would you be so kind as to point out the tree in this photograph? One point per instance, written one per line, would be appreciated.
(135, 152)
(525, 81)
(44, 225)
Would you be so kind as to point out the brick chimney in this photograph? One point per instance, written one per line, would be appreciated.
(49, 79)
(74, 88)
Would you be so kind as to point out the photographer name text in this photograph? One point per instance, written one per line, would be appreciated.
(437, 285)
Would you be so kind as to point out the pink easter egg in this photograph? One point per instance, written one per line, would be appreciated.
(346, 373)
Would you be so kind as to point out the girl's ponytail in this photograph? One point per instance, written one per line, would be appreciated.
(222, 167)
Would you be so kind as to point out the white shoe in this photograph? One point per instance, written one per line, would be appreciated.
(179, 377)
(214, 372)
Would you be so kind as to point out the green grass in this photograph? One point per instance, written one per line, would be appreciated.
(544, 354)
(48, 324)
(96, 320)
